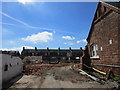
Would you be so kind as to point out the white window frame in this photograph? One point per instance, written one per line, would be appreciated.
(33, 54)
(94, 51)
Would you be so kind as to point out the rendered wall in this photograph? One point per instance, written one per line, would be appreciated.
(15, 67)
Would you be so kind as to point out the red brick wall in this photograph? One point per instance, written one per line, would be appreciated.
(107, 29)
(119, 38)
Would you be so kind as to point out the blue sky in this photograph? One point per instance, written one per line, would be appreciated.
(46, 24)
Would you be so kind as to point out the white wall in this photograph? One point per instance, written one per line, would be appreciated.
(14, 69)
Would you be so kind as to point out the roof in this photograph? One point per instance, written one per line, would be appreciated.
(10, 52)
(52, 50)
(114, 4)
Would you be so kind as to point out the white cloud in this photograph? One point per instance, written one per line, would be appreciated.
(16, 48)
(84, 40)
(24, 1)
(11, 42)
(39, 37)
(68, 37)
(68, 43)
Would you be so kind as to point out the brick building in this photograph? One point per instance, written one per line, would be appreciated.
(13, 53)
(53, 54)
(103, 47)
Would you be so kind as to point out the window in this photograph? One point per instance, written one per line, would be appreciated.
(49, 54)
(77, 57)
(101, 48)
(94, 50)
(110, 41)
(69, 54)
(6, 68)
(33, 54)
(46, 54)
(36, 54)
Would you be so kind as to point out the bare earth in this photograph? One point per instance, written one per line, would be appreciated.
(59, 77)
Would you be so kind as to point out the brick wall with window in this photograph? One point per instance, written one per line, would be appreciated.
(103, 40)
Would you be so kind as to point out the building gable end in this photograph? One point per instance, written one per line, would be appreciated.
(102, 10)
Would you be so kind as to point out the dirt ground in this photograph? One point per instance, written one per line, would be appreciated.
(59, 77)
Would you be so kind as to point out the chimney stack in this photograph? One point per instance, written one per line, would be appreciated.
(81, 48)
(23, 48)
(59, 48)
(47, 49)
(36, 48)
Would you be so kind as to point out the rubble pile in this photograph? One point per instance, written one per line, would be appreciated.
(66, 74)
(32, 59)
(37, 69)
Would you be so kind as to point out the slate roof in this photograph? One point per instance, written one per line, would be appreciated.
(114, 4)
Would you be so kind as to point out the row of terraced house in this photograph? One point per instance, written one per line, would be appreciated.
(54, 54)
